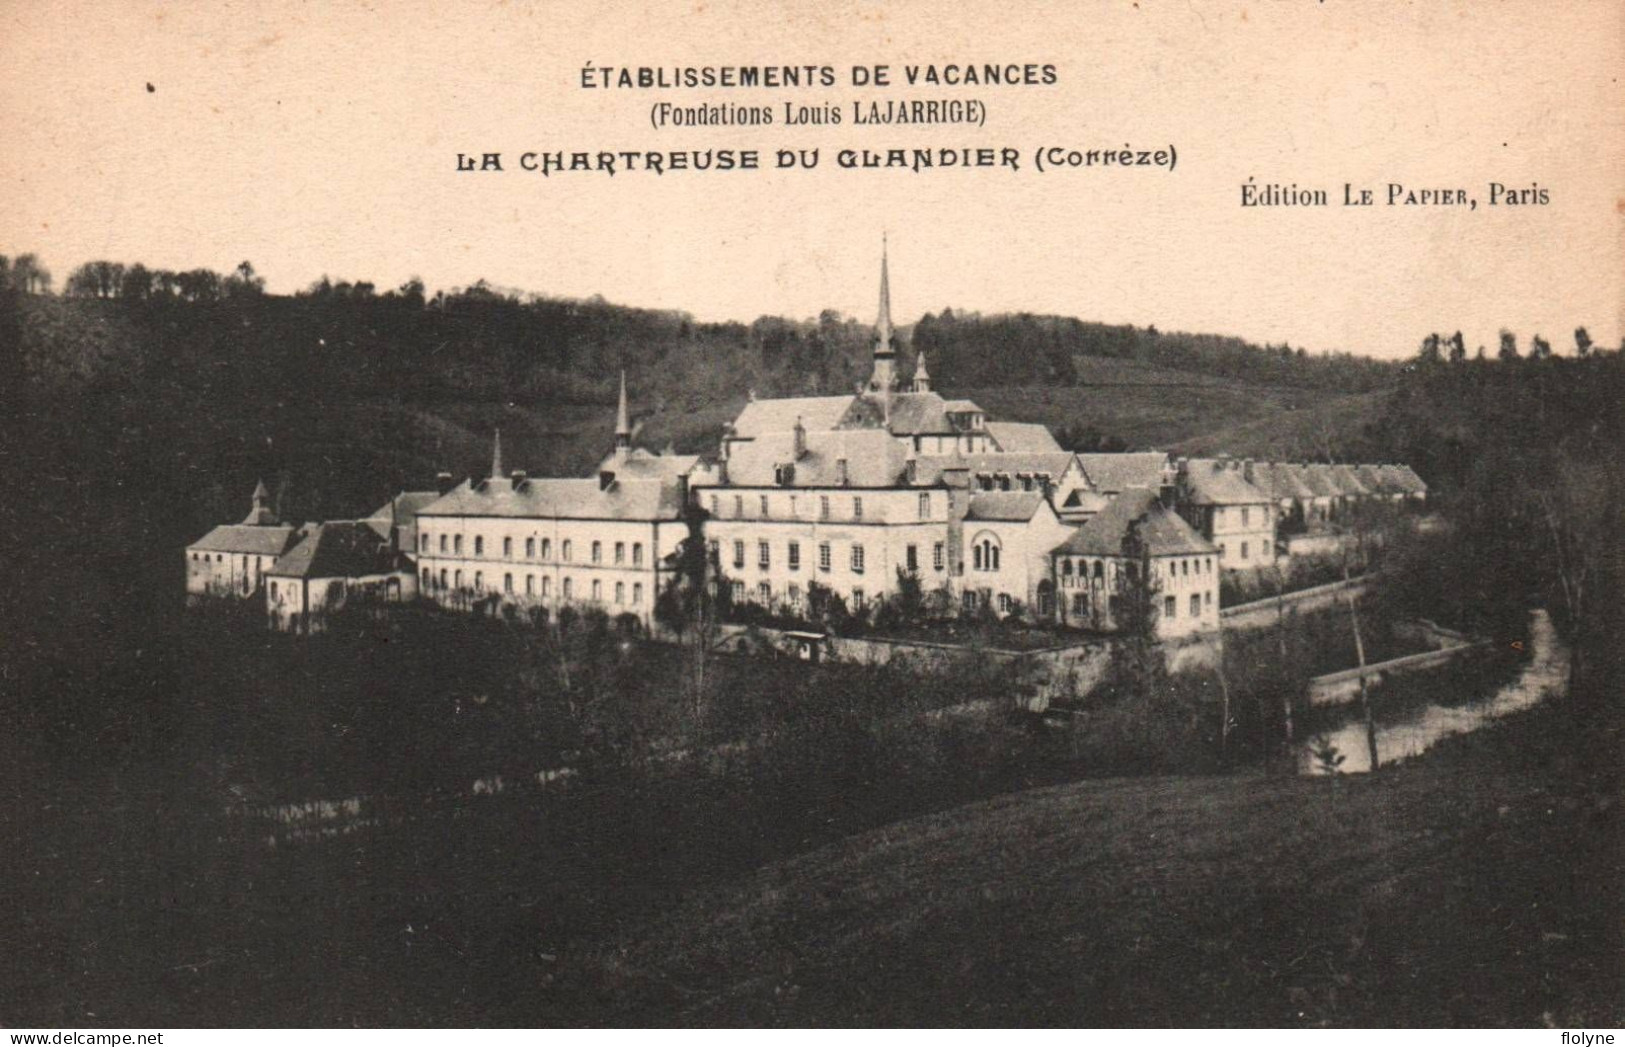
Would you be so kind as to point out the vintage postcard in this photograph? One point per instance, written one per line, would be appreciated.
(894, 515)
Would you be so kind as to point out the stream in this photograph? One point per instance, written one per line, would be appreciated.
(1546, 673)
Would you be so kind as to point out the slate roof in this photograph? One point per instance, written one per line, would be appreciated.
(873, 459)
(646, 465)
(1163, 531)
(1346, 481)
(776, 416)
(1054, 463)
(1118, 472)
(1011, 506)
(1282, 480)
(1022, 437)
(1084, 500)
(1317, 477)
(1405, 479)
(338, 549)
(1213, 481)
(565, 499)
(253, 539)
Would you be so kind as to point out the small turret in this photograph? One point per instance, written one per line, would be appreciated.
(260, 513)
(922, 377)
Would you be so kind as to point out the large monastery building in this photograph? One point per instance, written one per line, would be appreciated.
(856, 495)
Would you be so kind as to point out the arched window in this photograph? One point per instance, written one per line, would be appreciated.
(564, 550)
(547, 548)
(597, 552)
(985, 552)
(637, 554)
(479, 545)
(567, 588)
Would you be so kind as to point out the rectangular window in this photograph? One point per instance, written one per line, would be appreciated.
(1006, 605)
(823, 556)
(620, 552)
(857, 599)
(637, 592)
(857, 508)
(857, 559)
(457, 545)
(713, 505)
(479, 545)
(637, 554)
(764, 594)
(507, 548)
(913, 558)
(765, 513)
(1170, 607)
(938, 557)
(739, 507)
(793, 554)
(1196, 604)
(1208, 598)
(823, 507)
(739, 553)
(925, 505)
(547, 586)
(764, 555)
(1244, 550)
(1245, 514)
(736, 590)
(423, 545)
(507, 583)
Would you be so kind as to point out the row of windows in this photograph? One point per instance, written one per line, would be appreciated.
(454, 580)
(1020, 482)
(1170, 605)
(763, 594)
(1176, 568)
(792, 555)
(453, 545)
(790, 507)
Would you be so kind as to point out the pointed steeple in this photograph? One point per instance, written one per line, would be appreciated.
(885, 336)
(623, 424)
(496, 455)
(884, 378)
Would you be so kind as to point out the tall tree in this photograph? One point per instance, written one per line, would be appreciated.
(1540, 348)
(1458, 348)
(1582, 341)
(1509, 346)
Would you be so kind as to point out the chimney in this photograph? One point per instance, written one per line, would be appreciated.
(911, 470)
(519, 476)
(840, 472)
(606, 478)
(1247, 469)
(1165, 495)
(443, 482)
(800, 434)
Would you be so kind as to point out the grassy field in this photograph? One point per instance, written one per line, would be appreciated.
(1478, 886)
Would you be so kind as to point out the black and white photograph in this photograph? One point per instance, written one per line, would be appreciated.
(534, 515)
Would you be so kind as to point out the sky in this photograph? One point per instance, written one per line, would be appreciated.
(320, 138)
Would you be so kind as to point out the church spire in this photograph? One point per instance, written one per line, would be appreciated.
(623, 424)
(885, 337)
(496, 455)
(883, 379)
